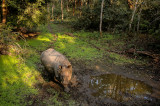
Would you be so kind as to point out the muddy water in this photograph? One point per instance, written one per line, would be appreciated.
(119, 88)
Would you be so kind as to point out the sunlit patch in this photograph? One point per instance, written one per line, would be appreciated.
(16, 80)
(46, 37)
(75, 48)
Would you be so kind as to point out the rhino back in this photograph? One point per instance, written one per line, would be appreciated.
(51, 59)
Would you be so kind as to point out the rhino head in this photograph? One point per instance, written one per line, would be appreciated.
(65, 75)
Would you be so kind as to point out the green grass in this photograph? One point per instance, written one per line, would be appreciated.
(19, 73)
(121, 59)
(82, 46)
(40, 43)
(74, 48)
(16, 81)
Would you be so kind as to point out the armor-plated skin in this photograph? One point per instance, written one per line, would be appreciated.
(57, 65)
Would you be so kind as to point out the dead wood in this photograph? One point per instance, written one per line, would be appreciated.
(155, 57)
(26, 35)
(69, 34)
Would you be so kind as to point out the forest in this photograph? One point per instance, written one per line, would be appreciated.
(79, 52)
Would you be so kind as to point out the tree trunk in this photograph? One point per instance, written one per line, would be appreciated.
(67, 6)
(49, 15)
(139, 18)
(4, 11)
(73, 8)
(100, 26)
(81, 8)
(62, 9)
(75, 4)
(134, 11)
(88, 2)
(52, 11)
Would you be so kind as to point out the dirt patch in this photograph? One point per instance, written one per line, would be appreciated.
(84, 95)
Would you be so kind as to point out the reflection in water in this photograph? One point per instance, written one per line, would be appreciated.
(118, 87)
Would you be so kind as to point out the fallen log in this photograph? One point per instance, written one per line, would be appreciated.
(155, 57)
(26, 35)
(69, 34)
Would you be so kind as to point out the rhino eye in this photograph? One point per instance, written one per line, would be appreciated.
(69, 66)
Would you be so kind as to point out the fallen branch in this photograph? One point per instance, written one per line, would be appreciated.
(156, 57)
(26, 35)
(69, 34)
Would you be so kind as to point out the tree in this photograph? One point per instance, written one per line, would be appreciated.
(62, 9)
(53, 6)
(133, 14)
(139, 17)
(4, 11)
(100, 25)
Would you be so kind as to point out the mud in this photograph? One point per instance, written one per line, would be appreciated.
(132, 85)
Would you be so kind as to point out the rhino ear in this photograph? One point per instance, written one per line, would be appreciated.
(69, 66)
(60, 67)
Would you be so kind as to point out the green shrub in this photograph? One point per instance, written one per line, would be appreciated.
(114, 19)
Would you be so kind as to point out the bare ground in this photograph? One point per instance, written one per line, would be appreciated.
(83, 93)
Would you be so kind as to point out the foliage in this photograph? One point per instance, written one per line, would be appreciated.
(7, 37)
(33, 15)
(114, 19)
(116, 15)
(26, 13)
(151, 18)
(85, 21)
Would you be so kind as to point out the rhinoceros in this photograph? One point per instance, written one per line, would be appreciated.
(58, 66)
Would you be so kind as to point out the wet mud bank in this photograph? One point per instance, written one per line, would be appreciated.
(113, 85)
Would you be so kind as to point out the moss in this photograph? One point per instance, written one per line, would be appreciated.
(16, 81)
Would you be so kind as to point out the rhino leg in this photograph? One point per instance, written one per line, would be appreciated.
(66, 89)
